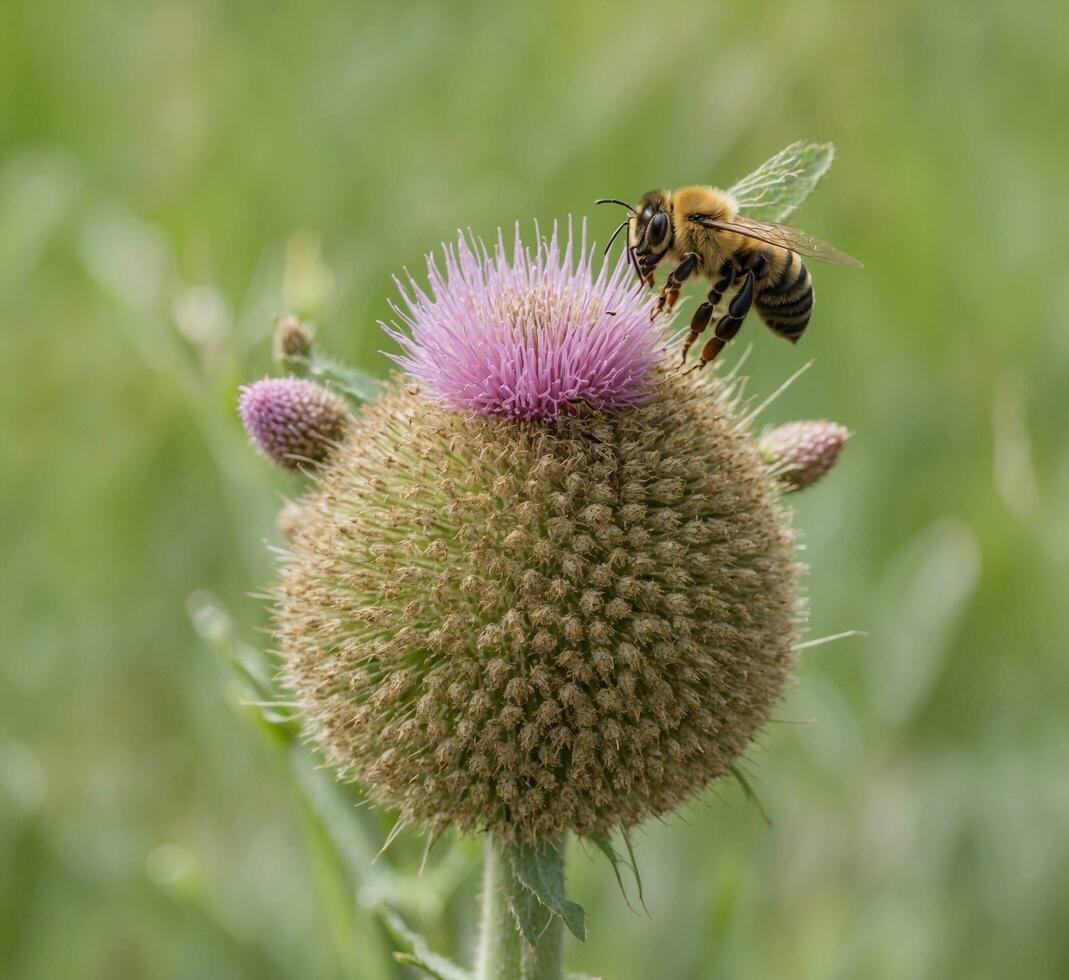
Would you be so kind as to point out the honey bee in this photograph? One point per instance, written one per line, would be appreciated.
(701, 230)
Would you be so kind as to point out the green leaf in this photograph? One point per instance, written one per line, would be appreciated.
(780, 185)
(358, 385)
(604, 845)
(410, 959)
(541, 871)
(634, 867)
(531, 915)
(421, 955)
(748, 792)
(616, 859)
(250, 667)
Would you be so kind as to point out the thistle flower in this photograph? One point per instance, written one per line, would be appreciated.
(800, 453)
(292, 421)
(531, 627)
(532, 338)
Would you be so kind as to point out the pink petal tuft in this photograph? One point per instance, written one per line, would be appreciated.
(531, 338)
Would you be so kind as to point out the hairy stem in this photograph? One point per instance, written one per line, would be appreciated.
(498, 954)
(546, 960)
(503, 953)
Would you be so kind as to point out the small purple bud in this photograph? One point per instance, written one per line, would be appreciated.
(292, 421)
(800, 453)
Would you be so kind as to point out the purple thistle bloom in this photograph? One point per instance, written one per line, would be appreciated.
(292, 421)
(533, 337)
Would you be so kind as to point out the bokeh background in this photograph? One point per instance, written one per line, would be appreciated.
(174, 173)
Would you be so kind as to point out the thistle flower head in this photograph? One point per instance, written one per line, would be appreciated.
(292, 421)
(800, 453)
(534, 336)
(534, 628)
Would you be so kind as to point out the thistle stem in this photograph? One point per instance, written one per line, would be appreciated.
(503, 953)
(546, 960)
(498, 954)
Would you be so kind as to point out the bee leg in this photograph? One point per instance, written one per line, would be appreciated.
(704, 313)
(647, 266)
(632, 257)
(728, 325)
(679, 275)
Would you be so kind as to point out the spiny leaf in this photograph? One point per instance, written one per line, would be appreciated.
(421, 956)
(531, 915)
(541, 869)
(605, 846)
(634, 867)
(748, 792)
(250, 667)
(358, 385)
(616, 859)
(410, 959)
(777, 188)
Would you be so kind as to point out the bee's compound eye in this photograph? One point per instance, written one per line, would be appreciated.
(657, 233)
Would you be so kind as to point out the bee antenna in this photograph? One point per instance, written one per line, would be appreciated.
(620, 227)
(613, 200)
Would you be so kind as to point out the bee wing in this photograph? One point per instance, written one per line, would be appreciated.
(776, 188)
(783, 236)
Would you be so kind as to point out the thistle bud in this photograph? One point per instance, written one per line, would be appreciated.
(292, 421)
(293, 339)
(501, 615)
(800, 453)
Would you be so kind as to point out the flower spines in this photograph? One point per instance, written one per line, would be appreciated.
(533, 629)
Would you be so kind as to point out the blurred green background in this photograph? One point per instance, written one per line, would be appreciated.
(174, 173)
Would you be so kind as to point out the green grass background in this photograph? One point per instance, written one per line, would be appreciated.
(173, 173)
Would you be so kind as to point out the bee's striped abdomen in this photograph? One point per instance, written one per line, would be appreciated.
(785, 301)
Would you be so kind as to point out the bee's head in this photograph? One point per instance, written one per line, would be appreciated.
(650, 234)
(649, 231)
